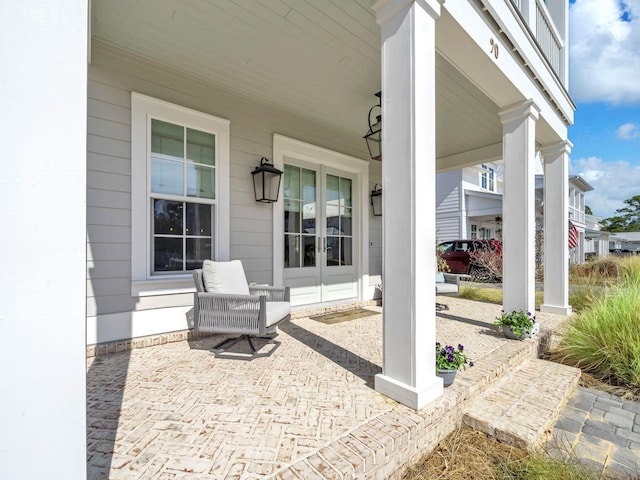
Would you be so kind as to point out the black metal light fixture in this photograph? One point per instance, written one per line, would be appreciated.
(376, 200)
(374, 135)
(266, 182)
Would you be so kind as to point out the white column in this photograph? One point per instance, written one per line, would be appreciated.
(518, 206)
(408, 186)
(556, 227)
(43, 93)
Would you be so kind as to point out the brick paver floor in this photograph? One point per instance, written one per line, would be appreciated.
(178, 411)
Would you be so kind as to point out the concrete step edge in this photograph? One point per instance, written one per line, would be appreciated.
(521, 408)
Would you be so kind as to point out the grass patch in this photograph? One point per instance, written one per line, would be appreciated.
(468, 454)
(490, 295)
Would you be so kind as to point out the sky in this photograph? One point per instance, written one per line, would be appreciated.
(604, 82)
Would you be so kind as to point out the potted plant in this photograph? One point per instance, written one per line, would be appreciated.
(517, 325)
(448, 361)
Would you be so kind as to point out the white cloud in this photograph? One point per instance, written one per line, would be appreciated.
(612, 182)
(605, 51)
(628, 131)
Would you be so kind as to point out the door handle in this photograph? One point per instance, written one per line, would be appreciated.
(324, 239)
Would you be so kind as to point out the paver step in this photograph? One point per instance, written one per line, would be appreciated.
(521, 408)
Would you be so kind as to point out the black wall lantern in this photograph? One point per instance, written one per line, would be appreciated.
(376, 200)
(374, 135)
(266, 182)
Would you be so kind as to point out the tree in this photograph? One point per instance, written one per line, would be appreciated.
(628, 218)
(587, 210)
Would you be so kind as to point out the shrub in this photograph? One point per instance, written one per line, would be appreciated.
(603, 271)
(442, 265)
(605, 339)
(486, 266)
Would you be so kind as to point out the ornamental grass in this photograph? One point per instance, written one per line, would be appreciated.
(604, 339)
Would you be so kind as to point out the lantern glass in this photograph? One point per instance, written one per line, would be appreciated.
(374, 139)
(376, 201)
(266, 182)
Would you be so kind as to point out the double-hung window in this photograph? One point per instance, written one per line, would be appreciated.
(487, 178)
(180, 170)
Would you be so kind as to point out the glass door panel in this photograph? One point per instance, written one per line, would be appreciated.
(299, 217)
(338, 210)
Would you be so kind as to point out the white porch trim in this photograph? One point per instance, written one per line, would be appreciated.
(128, 325)
(408, 182)
(556, 227)
(518, 228)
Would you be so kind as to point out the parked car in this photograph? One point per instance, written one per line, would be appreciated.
(458, 253)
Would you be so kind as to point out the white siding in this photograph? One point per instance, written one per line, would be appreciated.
(375, 228)
(448, 205)
(111, 79)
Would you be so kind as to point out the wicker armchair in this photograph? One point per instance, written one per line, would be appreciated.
(225, 304)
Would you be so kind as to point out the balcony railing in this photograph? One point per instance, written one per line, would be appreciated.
(547, 37)
(543, 27)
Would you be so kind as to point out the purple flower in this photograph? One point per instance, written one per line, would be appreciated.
(451, 358)
(460, 347)
(471, 364)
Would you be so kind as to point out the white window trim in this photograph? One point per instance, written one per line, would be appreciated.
(142, 109)
(485, 171)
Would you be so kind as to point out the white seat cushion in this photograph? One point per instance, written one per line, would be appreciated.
(224, 277)
(276, 311)
(442, 288)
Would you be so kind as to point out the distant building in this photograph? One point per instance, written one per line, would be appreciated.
(596, 240)
(625, 242)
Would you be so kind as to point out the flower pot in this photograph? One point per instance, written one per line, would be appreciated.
(509, 333)
(448, 376)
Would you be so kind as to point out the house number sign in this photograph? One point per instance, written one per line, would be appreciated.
(494, 48)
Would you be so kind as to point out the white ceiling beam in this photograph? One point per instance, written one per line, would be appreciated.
(489, 153)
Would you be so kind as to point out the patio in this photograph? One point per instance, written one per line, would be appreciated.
(307, 411)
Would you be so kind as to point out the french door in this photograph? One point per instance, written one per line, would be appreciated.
(320, 238)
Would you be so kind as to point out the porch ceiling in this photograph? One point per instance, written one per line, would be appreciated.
(316, 58)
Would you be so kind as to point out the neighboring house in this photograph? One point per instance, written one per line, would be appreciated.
(469, 203)
(625, 242)
(596, 240)
(469, 206)
(134, 135)
(577, 216)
